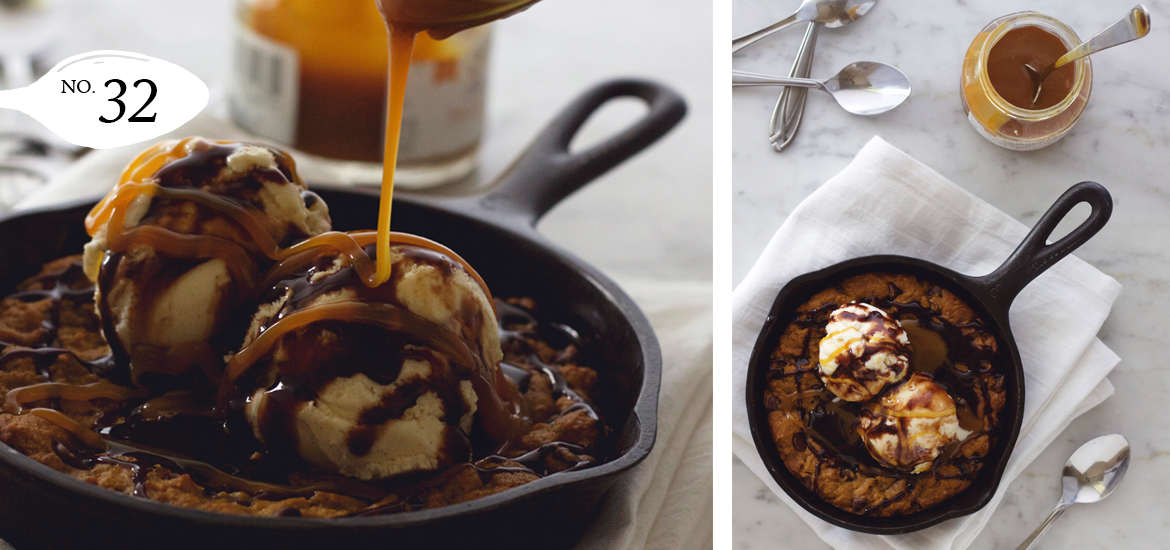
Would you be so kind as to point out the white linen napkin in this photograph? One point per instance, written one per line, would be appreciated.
(885, 202)
(665, 503)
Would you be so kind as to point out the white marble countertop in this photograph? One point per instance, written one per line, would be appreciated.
(540, 61)
(1122, 142)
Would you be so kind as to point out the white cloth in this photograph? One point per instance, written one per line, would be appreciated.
(665, 503)
(885, 202)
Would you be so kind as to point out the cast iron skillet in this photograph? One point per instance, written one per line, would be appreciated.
(990, 296)
(495, 232)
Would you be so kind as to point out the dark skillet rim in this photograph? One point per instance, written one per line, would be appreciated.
(968, 501)
(645, 411)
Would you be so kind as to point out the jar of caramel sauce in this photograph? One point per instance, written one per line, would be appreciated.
(312, 75)
(997, 92)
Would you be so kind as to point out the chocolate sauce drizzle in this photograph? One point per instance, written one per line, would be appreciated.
(518, 328)
(965, 369)
(192, 432)
(62, 284)
(187, 194)
(880, 337)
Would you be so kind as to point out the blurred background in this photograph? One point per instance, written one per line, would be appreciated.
(649, 218)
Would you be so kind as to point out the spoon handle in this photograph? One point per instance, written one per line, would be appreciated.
(789, 109)
(749, 39)
(12, 99)
(744, 78)
(1132, 26)
(1031, 540)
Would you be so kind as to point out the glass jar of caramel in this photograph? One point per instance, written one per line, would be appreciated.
(997, 92)
(312, 75)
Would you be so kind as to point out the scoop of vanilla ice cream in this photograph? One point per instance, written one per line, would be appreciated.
(909, 426)
(161, 308)
(863, 352)
(372, 402)
(329, 428)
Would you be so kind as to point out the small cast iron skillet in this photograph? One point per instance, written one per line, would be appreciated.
(495, 233)
(990, 296)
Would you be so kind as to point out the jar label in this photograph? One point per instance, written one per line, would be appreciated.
(444, 108)
(264, 90)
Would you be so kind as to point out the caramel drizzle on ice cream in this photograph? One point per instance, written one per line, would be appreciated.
(875, 352)
(141, 178)
(498, 403)
(946, 351)
(894, 415)
(501, 416)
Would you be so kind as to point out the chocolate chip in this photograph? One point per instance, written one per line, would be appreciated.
(800, 442)
(858, 504)
(290, 513)
(68, 457)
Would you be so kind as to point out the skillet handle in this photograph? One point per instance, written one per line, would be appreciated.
(547, 171)
(1034, 255)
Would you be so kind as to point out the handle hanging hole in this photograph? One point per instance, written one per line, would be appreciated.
(611, 118)
(1072, 220)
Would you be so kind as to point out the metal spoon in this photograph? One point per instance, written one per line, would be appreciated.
(789, 110)
(830, 13)
(862, 88)
(1091, 473)
(1133, 26)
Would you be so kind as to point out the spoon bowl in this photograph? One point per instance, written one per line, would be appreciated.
(830, 13)
(1090, 475)
(835, 13)
(869, 88)
(1095, 469)
(862, 88)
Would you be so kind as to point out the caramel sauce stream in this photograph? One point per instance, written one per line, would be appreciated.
(404, 20)
(401, 49)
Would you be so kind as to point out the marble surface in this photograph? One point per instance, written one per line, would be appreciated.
(1121, 142)
(540, 61)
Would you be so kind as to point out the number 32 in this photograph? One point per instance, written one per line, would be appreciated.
(122, 106)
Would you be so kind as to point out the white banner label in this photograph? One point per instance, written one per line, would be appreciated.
(109, 98)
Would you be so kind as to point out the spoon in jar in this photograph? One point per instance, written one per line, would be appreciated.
(862, 88)
(1133, 26)
(830, 13)
(1091, 473)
